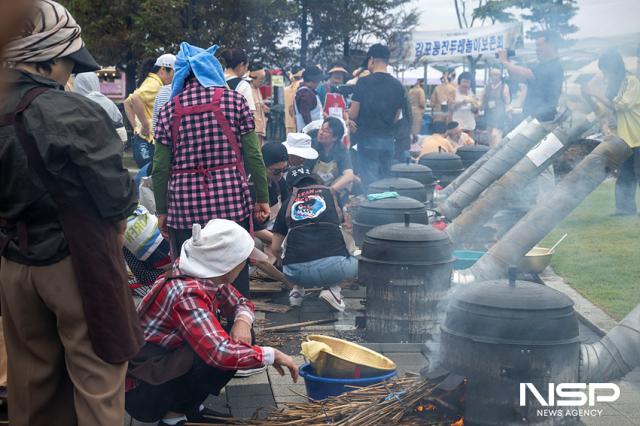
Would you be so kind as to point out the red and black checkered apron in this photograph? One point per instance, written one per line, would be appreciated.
(222, 185)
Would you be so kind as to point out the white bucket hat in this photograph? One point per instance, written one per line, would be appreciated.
(216, 249)
(167, 61)
(300, 144)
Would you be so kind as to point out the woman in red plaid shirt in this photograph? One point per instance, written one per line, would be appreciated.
(188, 354)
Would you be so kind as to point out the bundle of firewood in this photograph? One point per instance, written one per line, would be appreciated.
(401, 401)
(412, 400)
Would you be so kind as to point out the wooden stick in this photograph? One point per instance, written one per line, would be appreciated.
(287, 327)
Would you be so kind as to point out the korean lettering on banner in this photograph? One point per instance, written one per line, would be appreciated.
(423, 49)
(436, 48)
(446, 45)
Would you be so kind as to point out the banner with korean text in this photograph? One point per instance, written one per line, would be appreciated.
(437, 46)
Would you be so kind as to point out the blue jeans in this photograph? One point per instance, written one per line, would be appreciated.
(324, 272)
(142, 151)
(375, 157)
(627, 183)
(144, 172)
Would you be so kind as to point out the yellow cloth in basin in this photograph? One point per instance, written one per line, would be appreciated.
(311, 350)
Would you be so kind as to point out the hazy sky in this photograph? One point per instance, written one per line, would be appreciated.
(596, 18)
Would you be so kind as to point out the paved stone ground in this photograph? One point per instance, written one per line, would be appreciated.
(595, 323)
(249, 397)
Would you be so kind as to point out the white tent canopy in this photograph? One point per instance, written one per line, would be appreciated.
(410, 76)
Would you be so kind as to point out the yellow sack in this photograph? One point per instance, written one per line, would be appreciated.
(311, 350)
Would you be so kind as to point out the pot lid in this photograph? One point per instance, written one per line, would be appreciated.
(407, 232)
(512, 312)
(438, 156)
(392, 184)
(397, 203)
(407, 244)
(472, 148)
(411, 168)
(441, 161)
(523, 295)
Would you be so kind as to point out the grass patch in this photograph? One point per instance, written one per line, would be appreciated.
(601, 256)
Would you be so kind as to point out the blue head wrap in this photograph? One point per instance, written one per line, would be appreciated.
(202, 63)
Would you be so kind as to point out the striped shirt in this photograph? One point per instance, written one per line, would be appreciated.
(163, 96)
(142, 236)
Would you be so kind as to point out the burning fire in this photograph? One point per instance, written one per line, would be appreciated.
(427, 407)
(458, 423)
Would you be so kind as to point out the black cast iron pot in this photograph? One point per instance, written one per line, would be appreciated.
(502, 333)
(422, 174)
(469, 154)
(446, 167)
(405, 187)
(370, 214)
(406, 268)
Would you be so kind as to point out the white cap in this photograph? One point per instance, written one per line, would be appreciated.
(167, 60)
(216, 249)
(314, 125)
(300, 144)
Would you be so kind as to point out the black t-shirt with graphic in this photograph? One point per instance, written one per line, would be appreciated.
(312, 224)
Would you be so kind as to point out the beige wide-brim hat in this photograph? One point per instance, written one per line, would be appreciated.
(338, 69)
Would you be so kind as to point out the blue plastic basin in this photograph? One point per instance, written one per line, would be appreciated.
(466, 258)
(323, 387)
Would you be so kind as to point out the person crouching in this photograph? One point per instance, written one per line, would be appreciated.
(188, 354)
(316, 254)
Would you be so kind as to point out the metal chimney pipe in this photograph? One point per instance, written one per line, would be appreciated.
(494, 168)
(469, 171)
(615, 354)
(467, 224)
(568, 194)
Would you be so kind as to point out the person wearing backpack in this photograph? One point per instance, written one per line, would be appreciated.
(316, 254)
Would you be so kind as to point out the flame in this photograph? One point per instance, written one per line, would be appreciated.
(431, 408)
(459, 422)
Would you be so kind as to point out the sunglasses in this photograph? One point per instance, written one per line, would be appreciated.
(279, 171)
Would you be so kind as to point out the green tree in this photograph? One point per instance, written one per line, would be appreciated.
(123, 33)
(545, 15)
(550, 15)
(256, 26)
(342, 29)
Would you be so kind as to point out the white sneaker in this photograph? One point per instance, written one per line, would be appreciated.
(332, 296)
(296, 296)
(250, 372)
